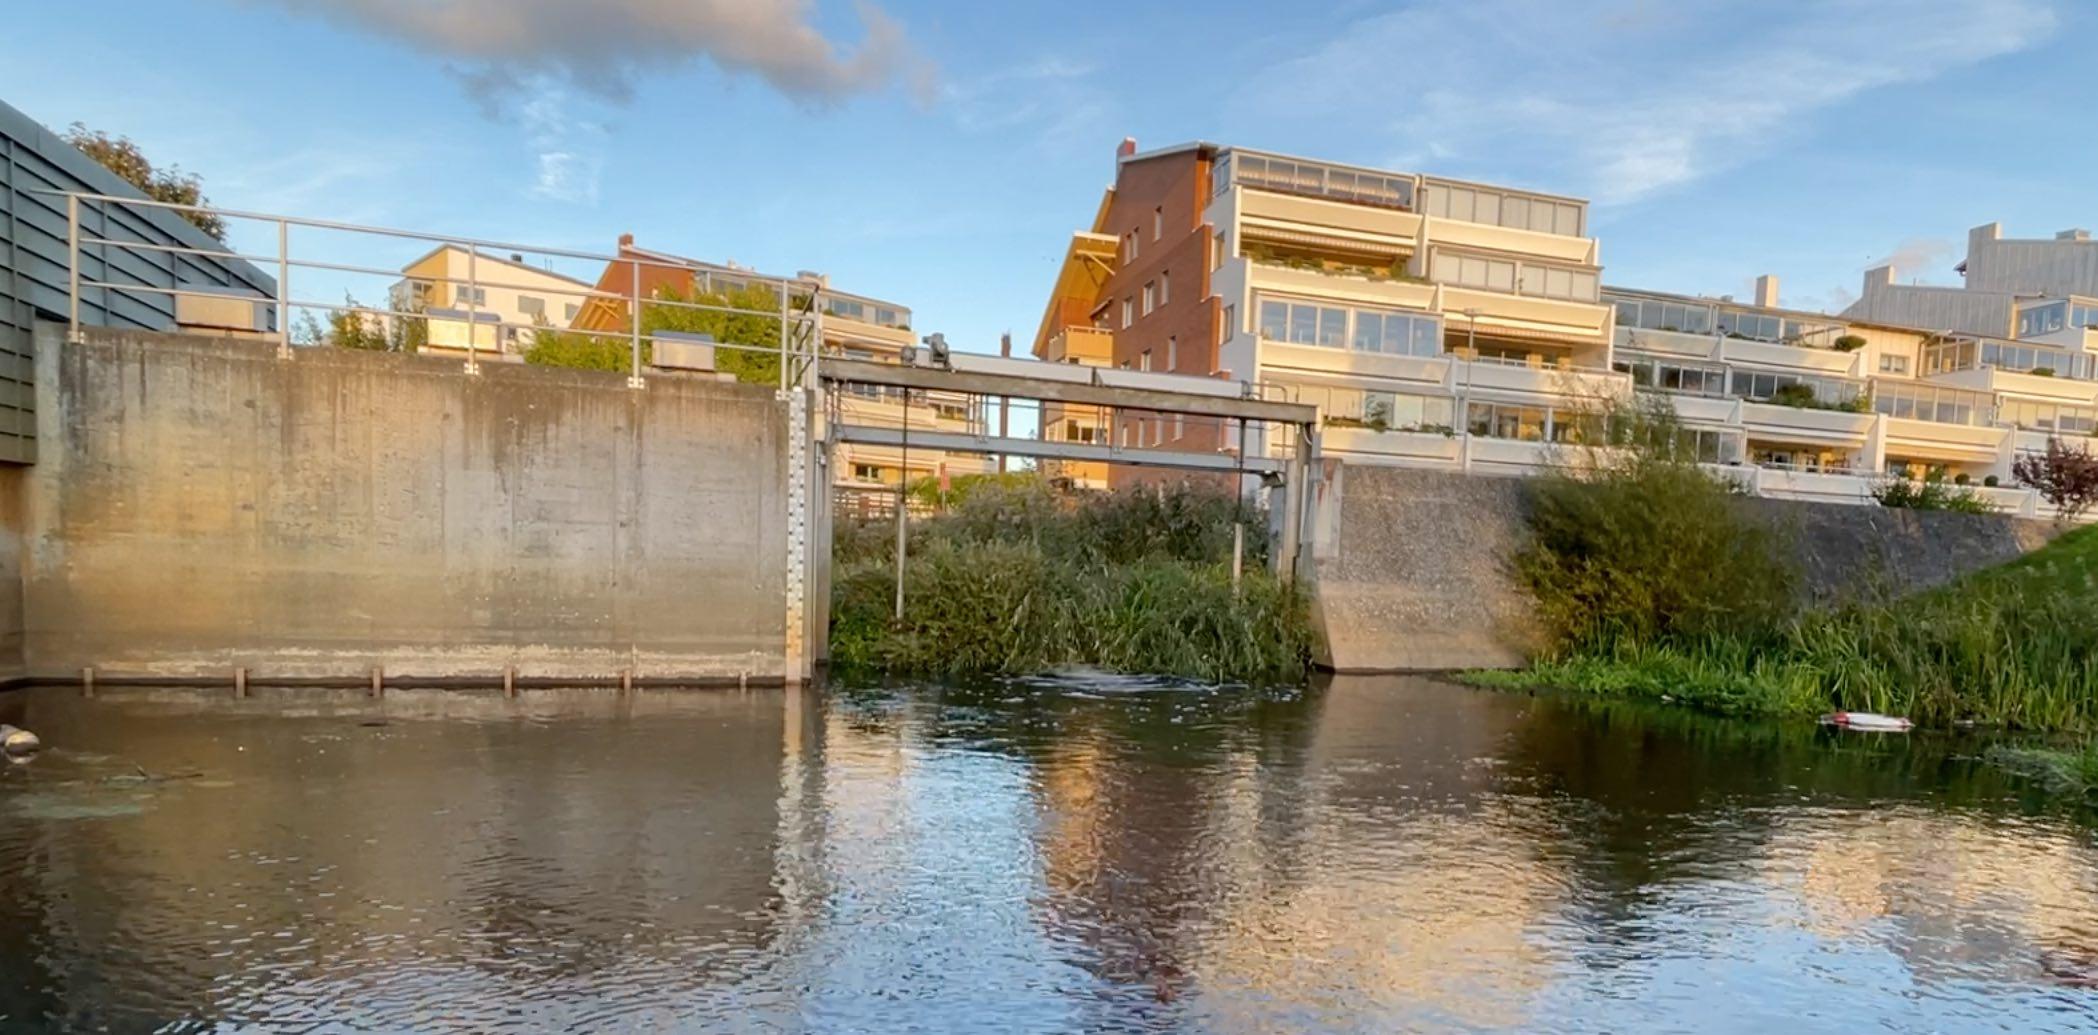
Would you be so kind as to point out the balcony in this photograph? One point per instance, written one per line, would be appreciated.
(1393, 292)
(1089, 346)
(1799, 424)
(1411, 448)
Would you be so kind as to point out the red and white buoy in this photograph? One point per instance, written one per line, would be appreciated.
(1869, 722)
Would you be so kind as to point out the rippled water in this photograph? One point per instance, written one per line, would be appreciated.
(1077, 855)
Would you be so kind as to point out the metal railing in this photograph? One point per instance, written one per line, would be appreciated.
(788, 309)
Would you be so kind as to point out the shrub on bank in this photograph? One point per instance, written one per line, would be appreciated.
(1020, 579)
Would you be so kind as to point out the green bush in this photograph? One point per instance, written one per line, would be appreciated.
(1932, 493)
(1640, 544)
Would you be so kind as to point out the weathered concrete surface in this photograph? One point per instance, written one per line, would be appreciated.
(202, 504)
(1413, 572)
(1414, 575)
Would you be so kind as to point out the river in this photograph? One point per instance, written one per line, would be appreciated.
(1380, 854)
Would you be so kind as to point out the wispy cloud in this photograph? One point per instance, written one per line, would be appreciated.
(601, 46)
(569, 149)
(1055, 101)
(1624, 99)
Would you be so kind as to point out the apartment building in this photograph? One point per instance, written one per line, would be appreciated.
(503, 299)
(1437, 322)
(853, 326)
(1458, 325)
(1805, 405)
(1067, 335)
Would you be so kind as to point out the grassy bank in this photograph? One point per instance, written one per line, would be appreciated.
(1651, 585)
(1016, 578)
(2013, 647)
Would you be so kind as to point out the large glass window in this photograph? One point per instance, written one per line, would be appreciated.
(1501, 208)
(1688, 378)
(1508, 420)
(1316, 179)
(2042, 416)
(2042, 319)
(1791, 389)
(1911, 401)
(1392, 411)
(1656, 315)
(1364, 330)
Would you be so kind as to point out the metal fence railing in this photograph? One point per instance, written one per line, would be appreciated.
(633, 299)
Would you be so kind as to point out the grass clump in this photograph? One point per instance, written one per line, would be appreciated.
(1016, 578)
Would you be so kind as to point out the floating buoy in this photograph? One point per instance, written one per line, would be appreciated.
(1872, 721)
(18, 741)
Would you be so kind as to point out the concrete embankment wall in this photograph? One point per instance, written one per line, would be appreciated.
(201, 504)
(1413, 566)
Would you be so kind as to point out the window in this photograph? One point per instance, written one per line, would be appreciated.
(1128, 313)
(1165, 286)
(1228, 325)
(1656, 315)
(1158, 222)
(890, 318)
(1397, 334)
(1150, 296)
(866, 472)
(472, 295)
(1690, 379)
(846, 309)
(572, 309)
(1924, 402)
(1144, 361)
(1136, 243)
(1179, 427)
(2039, 416)
(1498, 208)
(1506, 420)
(1217, 252)
(1473, 271)
(531, 305)
(2042, 319)
(1172, 353)
(1893, 364)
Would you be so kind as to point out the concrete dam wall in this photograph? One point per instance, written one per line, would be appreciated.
(201, 504)
(1413, 570)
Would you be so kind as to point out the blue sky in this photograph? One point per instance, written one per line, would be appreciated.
(940, 153)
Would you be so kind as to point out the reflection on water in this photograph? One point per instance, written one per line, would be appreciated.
(1073, 854)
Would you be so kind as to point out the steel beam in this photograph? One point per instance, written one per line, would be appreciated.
(860, 371)
(956, 442)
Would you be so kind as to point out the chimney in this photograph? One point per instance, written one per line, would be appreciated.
(626, 240)
(2074, 233)
(1879, 277)
(1127, 148)
(1766, 291)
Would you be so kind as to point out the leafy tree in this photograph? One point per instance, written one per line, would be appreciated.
(123, 157)
(754, 321)
(355, 326)
(2066, 476)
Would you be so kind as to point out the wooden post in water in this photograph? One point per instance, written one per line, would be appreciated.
(1238, 554)
(378, 681)
(509, 680)
(240, 682)
(87, 681)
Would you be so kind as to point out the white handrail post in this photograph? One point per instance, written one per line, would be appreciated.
(473, 308)
(634, 379)
(283, 288)
(786, 332)
(73, 267)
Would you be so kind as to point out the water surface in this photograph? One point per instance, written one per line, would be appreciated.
(1079, 855)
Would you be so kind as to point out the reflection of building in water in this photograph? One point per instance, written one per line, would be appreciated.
(1409, 896)
(1964, 898)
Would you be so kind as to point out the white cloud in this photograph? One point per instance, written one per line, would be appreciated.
(599, 46)
(1621, 100)
(1918, 258)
